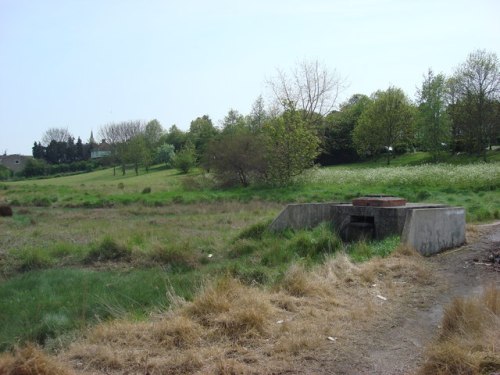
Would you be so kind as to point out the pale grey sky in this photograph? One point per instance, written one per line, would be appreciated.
(83, 63)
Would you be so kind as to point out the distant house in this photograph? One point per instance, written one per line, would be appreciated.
(101, 150)
(15, 163)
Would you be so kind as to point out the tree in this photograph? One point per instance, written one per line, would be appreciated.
(233, 122)
(165, 153)
(153, 131)
(291, 146)
(55, 134)
(117, 135)
(136, 153)
(38, 151)
(432, 120)
(478, 88)
(309, 88)
(201, 131)
(258, 115)
(386, 123)
(80, 150)
(237, 158)
(175, 137)
(185, 159)
(336, 132)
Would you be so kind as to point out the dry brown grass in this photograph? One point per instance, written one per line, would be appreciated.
(231, 328)
(469, 341)
(30, 361)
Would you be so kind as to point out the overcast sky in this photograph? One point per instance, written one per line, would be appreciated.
(83, 63)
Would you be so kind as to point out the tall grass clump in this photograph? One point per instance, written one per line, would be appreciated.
(316, 242)
(362, 251)
(469, 340)
(108, 250)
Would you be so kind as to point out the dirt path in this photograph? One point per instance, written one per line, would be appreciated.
(395, 344)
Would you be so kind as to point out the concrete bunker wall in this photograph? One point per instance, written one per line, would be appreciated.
(429, 228)
(432, 230)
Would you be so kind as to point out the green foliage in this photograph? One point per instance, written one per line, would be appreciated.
(316, 242)
(386, 123)
(238, 157)
(362, 251)
(475, 104)
(108, 250)
(337, 144)
(255, 231)
(29, 259)
(432, 121)
(4, 173)
(185, 159)
(201, 132)
(165, 154)
(291, 147)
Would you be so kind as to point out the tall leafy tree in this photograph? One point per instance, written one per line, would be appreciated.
(433, 124)
(385, 124)
(175, 137)
(291, 146)
(477, 83)
(201, 132)
(336, 133)
(258, 115)
(233, 122)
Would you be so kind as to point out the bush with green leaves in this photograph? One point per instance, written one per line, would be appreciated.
(185, 159)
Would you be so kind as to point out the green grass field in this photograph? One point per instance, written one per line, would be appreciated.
(84, 248)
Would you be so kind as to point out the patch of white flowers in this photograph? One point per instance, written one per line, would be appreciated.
(424, 175)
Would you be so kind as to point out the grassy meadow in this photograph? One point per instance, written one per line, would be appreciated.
(86, 248)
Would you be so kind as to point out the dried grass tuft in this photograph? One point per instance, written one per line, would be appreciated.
(300, 283)
(470, 338)
(178, 332)
(235, 310)
(30, 361)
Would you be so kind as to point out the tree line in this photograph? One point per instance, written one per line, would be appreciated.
(300, 127)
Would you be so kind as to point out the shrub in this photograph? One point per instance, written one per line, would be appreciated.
(185, 159)
(108, 249)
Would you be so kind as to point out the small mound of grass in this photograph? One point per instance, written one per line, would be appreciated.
(255, 231)
(108, 250)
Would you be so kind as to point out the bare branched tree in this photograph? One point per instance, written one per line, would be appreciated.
(56, 134)
(115, 133)
(310, 87)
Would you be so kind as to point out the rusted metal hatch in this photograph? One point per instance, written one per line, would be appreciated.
(379, 201)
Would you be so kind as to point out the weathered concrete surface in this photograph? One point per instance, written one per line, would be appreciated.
(302, 216)
(431, 230)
